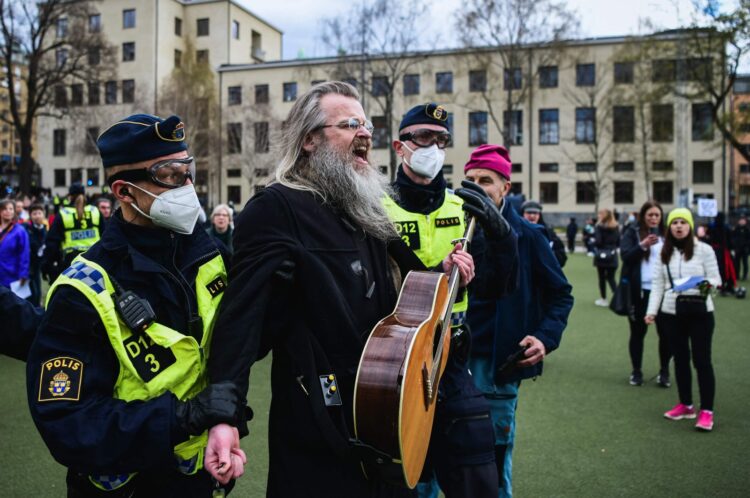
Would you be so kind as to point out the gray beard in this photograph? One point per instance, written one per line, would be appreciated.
(358, 194)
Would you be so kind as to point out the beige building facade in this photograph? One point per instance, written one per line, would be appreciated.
(739, 165)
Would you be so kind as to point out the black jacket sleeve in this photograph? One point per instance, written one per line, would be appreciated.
(496, 265)
(630, 247)
(19, 319)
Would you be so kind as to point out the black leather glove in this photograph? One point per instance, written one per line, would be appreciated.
(478, 204)
(217, 404)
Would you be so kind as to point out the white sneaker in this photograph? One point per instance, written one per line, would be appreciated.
(601, 302)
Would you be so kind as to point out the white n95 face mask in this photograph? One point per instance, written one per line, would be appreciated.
(176, 209)
(426, 161)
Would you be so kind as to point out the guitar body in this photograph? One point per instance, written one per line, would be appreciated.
(394, 400)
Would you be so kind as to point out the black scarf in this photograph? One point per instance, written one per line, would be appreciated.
(415, 198)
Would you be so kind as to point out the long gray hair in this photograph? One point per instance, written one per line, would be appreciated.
(304, 117)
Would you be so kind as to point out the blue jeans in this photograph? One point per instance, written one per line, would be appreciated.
(503, 400)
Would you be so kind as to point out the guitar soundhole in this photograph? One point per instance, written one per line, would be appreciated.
(436, 338)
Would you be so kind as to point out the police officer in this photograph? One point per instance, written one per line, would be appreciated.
(76, 228)
(116, 377)
(428, 217)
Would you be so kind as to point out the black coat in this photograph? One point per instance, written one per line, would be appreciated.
(19, 319)
(632, 255)
(308, 286)
(741, 239)
(607, 239)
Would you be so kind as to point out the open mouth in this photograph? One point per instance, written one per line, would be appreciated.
(360, 152)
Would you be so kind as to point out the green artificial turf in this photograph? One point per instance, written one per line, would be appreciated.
(582, 430)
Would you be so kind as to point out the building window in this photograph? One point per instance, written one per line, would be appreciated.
(745, 168)
(379, 86)
(548, 192)
(549, 168)
(447, 169)
(233, 194)
(93, 93)
(255, 46)
(623, 72)
(110, 92)
(128, 91)
(58, 142)
(624, 166)
(585, 192)
(662, 122)
(548, 77)
(623, 124)
(516, 168)
(61, 56)
(95, 23)
(177, 58)
(92, 177)
(61, 28)
(449, 125)
(411, 84)
(236, 30)
(586, 167)
(703, 126)
(234, 95)
(128, 18)
(178, 26)
(89, 144)
(662, 166)
(290, 91)
(261, 136)
(61, 96)
(444, 82)
(76, 94)
(202, 26)
(663, 70)
(663, 192)
(201, 56)
(383, 170)
(703, 171)
(380, 133)
(260, 172)
(60, 180)
(350, 81)
(261, 94)
(477, 128)
(94, 56)
(234, 173)
(585, 75)
(128, 51)
(624, 192)
(549, 126)
(512, 78)
(76, 175)
(234, 138)
(585, 125)
(478, 81)
(516, 188)
(513, 126)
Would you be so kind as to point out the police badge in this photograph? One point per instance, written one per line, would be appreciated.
(60, 384)
(61, 379)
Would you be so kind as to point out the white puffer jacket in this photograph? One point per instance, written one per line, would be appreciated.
(702, 264)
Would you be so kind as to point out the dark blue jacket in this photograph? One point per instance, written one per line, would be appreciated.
(100, 434)
(19, 319)
(539, 306)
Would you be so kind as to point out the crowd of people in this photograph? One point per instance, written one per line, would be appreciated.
(138, 368)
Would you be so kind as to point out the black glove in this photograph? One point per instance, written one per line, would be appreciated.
(217, 404)
(478, 204)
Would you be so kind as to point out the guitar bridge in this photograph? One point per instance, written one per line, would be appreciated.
(427, 385)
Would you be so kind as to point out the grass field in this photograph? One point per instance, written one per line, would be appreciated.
(582, 430)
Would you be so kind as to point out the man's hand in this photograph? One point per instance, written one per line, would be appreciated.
(463, 260)
(479, 205)
(224, 459)
(649, 319)
(535, 351)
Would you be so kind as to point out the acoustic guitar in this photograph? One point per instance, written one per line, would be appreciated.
(400, 370)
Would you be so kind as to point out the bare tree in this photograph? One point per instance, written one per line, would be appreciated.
(520, 36)
(55, 43)
(377, 45)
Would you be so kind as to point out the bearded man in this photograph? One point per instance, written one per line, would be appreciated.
(315, 267)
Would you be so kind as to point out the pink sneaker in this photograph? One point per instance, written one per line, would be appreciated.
(680, 411)
(705, 421)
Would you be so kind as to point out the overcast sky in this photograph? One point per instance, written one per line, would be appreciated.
(300, 19)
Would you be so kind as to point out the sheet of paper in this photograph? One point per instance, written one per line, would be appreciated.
(22, 291)
(689, 283)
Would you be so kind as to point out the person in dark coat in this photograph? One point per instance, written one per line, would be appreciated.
(571, 231)
(37, 229)
(316, 260)
(719, 237)
(532, 212)
(222, 221)
(20, 320)
(741, 244)
(607, 240)
(640, 247)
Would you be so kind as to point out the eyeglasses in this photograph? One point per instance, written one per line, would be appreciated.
(426, 138)
(170, 173)
(352, 124)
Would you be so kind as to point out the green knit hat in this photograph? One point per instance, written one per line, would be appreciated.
(683, 213)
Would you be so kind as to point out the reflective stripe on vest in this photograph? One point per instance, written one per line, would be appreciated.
(184, 374)
(80, 234)
(430, 236)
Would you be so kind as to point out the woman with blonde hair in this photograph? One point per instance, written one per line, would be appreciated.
(607, 240)
(687, 313)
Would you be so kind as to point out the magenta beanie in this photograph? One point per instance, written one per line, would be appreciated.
(494, 157)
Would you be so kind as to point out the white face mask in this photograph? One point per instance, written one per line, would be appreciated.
(426, 161)
(176, 209)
